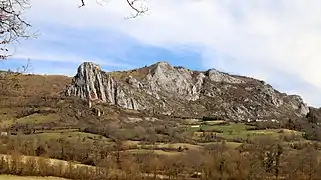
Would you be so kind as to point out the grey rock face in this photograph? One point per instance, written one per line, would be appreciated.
(297, 103)
(270, 94)
(134, 83)
(217, 76)
(92, 84)
(88, 83)
(166, 78)
(164, 89)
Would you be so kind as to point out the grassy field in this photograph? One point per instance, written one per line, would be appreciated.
(156, 152)
(10, 177)
(52, 162)
(213, 122)
(244, 134)
(175, 146)
(68, 136)
(38, 118)
(231, 145)
(231, 128)
(7, 120)
(239, 131)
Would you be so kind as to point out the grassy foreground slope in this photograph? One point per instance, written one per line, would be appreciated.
(11, 177)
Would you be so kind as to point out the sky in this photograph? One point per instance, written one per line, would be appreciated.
(278, 41)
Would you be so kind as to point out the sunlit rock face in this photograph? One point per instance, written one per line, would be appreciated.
(169, 90)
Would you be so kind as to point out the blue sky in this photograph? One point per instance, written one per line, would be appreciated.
(60, 49)
(276, 41)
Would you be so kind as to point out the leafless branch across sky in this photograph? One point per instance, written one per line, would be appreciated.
(135, 5)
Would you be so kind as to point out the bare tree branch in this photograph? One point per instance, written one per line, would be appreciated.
(82, 3)
(138, 12)
(133, 4)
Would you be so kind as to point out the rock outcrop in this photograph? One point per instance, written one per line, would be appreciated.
(162, 88)
(92, 84)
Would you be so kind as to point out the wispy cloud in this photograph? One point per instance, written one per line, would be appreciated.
(67, 59)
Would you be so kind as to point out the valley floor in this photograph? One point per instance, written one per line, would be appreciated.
(11, 177)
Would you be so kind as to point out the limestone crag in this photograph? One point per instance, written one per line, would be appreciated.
(92, 84)
(164, 77)
(217, 76)
(162, 88)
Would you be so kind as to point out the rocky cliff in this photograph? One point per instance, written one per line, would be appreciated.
(162, 88)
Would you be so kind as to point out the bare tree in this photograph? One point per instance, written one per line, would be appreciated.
(12, 26)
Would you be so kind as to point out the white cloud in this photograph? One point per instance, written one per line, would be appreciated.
(281, 35)
(34, 55)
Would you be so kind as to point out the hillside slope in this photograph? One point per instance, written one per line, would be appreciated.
(177, 91)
